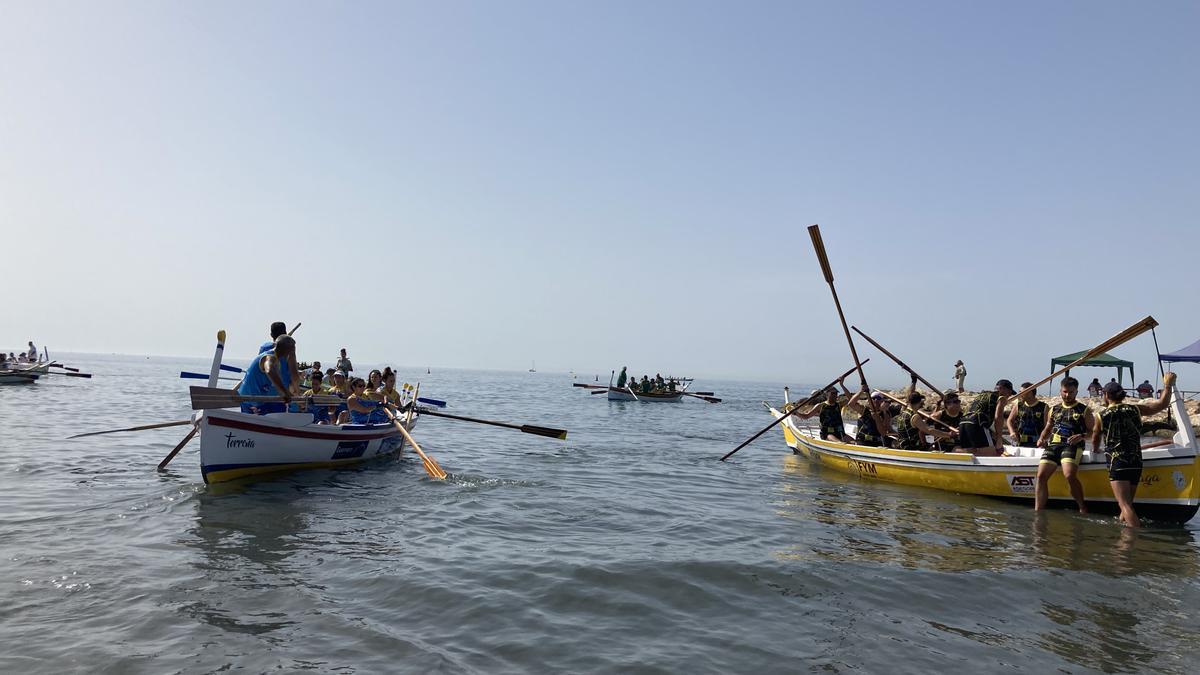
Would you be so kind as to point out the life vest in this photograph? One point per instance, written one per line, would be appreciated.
(1031, 419)
(867, 433)
(1066, 421)
(1122, 427)
(831, 420)
(983, 408)
(909, 437)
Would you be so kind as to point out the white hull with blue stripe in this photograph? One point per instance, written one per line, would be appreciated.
(235, 445)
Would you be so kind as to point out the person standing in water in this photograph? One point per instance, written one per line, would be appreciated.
(1120, 424)
(1067, 426)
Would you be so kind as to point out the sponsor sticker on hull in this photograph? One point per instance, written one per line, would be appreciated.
(1023, 484)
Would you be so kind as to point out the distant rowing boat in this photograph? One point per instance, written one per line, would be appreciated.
(24, 373)
(1169, 489)
(615, 394)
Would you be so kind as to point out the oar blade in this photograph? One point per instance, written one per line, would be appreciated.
(560, 434)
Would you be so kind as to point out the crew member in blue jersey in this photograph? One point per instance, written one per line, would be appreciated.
(270, 374)
(278, 328)
(363, 410)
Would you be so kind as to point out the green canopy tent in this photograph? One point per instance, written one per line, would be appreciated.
(1101, 361)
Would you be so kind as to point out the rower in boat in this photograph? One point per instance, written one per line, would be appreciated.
(362, 410)
(829, 413)
(1027, 418)
(911, 427)
(873, 418)
(622, 378)
(388, 390)
(1121, 426)
(1067, 426)
(949, 413)
(979, 431)
(320, 413)
(269, 374)
(646, 386)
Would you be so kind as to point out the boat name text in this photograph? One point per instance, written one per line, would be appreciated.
(231, 442)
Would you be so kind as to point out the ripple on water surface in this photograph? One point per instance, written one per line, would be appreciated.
(626, 548)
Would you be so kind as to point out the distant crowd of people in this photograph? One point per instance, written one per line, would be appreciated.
(275, 373)
(1060, 430)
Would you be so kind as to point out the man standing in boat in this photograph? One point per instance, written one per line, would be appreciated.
(1121, 425)
(979, 430)
(1067, 426)
(622, 378)
(833, 428)
(278, 328)
(1027, 418)
(269, 375)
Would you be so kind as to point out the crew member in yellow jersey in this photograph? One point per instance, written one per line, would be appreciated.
(1067, 425)
(320, 413)
(1120, 423)
(1027, 418)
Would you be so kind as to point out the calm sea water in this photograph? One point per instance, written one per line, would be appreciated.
(628, 548)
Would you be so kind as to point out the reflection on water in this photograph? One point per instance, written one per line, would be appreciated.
(1107, 597)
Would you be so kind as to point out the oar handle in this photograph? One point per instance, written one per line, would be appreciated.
(1117, 340)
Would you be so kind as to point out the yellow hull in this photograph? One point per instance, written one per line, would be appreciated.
(1169, 489)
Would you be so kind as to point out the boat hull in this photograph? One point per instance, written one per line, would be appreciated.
(17, 378)
(615, 394)
(1169, 490)
(235, 445)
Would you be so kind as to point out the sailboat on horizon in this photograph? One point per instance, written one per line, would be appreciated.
(533, 366)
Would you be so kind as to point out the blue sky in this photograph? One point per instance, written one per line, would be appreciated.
(602, 184)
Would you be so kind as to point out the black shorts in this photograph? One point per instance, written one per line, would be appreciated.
(1061, 452)
(1124, 467)
(972, 435)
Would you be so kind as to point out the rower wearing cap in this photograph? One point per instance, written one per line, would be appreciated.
(1121, 425)
(1027, 418)
(911, 427)
(829, 412)
(979, 430)
(269, 375)
(873, 418)
(1068, 424)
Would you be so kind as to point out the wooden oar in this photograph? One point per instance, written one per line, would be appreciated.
(144, 427)
(777, 420)
(919, 412)
(206, 398)
(630, 390)
(1111, 343)
(431, 467)
(588, 386)
(900, 363)
(59, 365)
(702, 393)
(814, 233)
(710, 399)
(295, 328)
(51, 372)
(184, 375)
(560, 434)
(167, 460)
(602, 391)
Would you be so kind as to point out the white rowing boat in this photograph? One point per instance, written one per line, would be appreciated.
(236, 444)
(23, 374)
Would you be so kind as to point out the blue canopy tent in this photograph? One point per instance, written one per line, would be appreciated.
(1189, 353)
